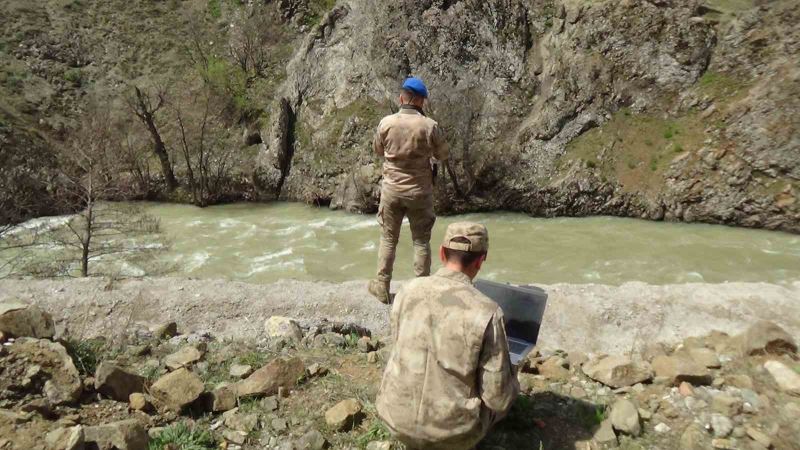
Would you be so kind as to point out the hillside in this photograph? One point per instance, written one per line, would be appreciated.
(664, 109)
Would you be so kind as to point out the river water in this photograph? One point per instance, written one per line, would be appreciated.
(264, 243)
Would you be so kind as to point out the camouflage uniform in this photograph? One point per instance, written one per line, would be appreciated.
(449, 377)
(407, 140)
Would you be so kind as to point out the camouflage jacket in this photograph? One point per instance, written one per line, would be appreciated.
(449, 376)
(408, 140)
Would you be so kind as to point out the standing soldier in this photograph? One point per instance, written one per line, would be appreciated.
(409, 142)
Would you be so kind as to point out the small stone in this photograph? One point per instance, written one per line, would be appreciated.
(726, 404)
(316, 370)
(223, 399)
(605, 433)
(138, 401)
(66, 439)
(372, 357)
(554, 368)
(678, 368)
(662, 428)
(685, 389)
(344, 415)
(379, 445)
(235, 420)
(625, 417)
(184, 357)
(694, 438)
(645, 414)
(279, 425)
(240, 370)
(738, 432)
(166, 330)
(759, 436)
(269, 404)
(740, 381)
(312, 440)
(721, 425)
(235, 437)
(724, 444)
(787, 379)
(364, 344)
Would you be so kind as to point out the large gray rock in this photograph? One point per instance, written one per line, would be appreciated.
(177, 389)
(122, 435)
(279, 373)
(116, 382)
(679, 368)
(625, 417)
(19, 319)
(618, 371)
(71, 438)
(766, 337)
(63, 383)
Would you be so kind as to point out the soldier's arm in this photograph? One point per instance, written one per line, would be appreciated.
(377, 140)
(441, 151)
(498, 382)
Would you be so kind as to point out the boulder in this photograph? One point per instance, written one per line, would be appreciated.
(177, 389)
(240, 370)
(618, 371)
(63, 383)
(705, 357)
(345, 415)
(184, 357)
(787, 379)
(679, 368)
(625, 417)
(71, 438)
(604, 435)
(283, 327)
(117, 383)
(312, 440)
(766, 338)
(19, 319)
(222, 399)
(279, 373)
(165, 330)
(123, 435)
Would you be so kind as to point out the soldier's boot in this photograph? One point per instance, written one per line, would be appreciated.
(380, 290)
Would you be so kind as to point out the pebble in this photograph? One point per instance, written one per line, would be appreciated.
(662, 428)
(721, 425)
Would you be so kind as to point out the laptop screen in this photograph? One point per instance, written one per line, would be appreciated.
(523, 307)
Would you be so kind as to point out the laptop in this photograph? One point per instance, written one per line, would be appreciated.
(523, 308)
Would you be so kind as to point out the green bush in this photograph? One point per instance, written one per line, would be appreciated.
(180, 436)
(215, 8)
(74, 76)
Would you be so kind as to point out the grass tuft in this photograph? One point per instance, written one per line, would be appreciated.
(86, 354)
(180, 436)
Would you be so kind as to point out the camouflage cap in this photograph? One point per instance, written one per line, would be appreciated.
(475, 233)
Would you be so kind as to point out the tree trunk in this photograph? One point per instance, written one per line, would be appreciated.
(144, 110)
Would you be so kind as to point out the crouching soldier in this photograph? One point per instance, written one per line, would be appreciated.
(449, 377)
(408, 141)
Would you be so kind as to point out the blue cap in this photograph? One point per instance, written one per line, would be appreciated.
(416, 86)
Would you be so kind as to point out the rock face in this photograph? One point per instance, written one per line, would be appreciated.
(63, 383)
(618, 371)
(18, 319)
(344, 415)
(123, 435)
(116, 382)
(177, 389)
(279, 373)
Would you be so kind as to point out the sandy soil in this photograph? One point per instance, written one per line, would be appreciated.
(590, 318)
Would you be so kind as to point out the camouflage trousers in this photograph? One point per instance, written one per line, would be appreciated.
(419, 210)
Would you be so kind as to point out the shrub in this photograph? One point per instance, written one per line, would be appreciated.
(74, 76)
(180, 436)
(86, 354)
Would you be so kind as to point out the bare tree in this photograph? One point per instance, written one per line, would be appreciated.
(202, 140)
(145, 106)
(252, 42)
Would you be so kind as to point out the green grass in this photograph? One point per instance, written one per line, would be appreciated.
(181, 436)
(215, 8)
(86, 354)
(377, 431)
(74, 76)
(254, 359)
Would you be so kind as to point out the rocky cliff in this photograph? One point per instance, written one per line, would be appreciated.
(678, 110)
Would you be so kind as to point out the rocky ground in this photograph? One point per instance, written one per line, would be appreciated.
(312, 386)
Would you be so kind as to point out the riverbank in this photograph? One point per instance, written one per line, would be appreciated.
(587, 318)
